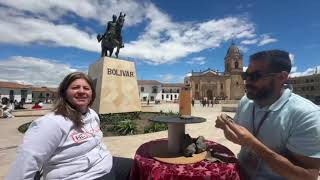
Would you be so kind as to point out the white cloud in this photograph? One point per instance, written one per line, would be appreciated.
(167, 77)
(249, 41)
(162, 41)
(243, 49)
(245, 68)
(166, 41)
(291, 56)
(34, 71)
(197, 60)
(23, 31)
(262, 40)
(98, 10)
(309, 71)
(294, 69)
(171, 78)
(266, 39)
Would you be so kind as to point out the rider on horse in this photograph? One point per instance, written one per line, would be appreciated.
(112, 37)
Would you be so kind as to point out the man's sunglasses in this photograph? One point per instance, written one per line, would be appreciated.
(255, 76)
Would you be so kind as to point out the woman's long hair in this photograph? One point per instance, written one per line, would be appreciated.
(63, 107)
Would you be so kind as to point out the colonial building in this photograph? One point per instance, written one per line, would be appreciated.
(149, 90)
(171, 91)
(44, 94)
(27, 93)
(153, 90)
(15, 91)
(307, 86)
(210, 84)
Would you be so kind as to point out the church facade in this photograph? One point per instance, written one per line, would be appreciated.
(228, 85)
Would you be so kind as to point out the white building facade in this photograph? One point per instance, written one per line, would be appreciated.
(171, 91)
(26, 93)
(153, 90)
(15, 91)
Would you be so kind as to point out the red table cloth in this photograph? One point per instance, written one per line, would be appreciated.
(146, 168)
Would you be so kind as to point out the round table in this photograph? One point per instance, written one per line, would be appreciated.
(145, 167)
(176, 130)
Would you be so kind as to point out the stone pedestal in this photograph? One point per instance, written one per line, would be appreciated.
(116, 86)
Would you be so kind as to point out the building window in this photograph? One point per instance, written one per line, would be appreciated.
(236, 65)
(197, 86)
(178, 91)
(312, 88)
(221, 86)
(162, 96)
(162, 90)
(11, 95)
(154, 89)
(142, 89)
(167, 96)
(175, 96)
(170, 90)
(144, 98)
(24, 94)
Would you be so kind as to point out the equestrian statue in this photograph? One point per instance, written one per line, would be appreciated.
(112, 37)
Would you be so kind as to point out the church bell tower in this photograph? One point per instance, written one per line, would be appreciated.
(233, 62)
(233, 68)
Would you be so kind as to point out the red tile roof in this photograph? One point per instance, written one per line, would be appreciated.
(39, 89)
(173, 85)
(12, 85)
(148, 82)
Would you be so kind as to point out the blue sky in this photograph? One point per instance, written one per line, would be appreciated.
(42, 41)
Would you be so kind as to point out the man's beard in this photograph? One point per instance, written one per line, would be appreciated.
(260, 93)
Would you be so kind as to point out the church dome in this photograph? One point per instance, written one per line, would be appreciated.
(233, 50)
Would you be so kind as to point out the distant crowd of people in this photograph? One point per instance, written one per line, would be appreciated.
(7, 106)
(205, 102)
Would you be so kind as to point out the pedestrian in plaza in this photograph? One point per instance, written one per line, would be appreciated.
(36, 105)
(66, 143)
(192, 102)
(278, 130)
(7, 108)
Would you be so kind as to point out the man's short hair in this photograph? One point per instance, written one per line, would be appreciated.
(277, 60)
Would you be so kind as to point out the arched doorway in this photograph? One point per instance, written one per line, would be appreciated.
(236, 65)
(11, 95)
(209, 94)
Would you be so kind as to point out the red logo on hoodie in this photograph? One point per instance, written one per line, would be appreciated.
(79, 137)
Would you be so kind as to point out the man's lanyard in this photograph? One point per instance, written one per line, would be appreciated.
(255, 132)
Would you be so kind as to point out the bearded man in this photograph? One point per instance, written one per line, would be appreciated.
(279, 131)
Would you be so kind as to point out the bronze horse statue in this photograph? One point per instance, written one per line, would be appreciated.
(109, 41)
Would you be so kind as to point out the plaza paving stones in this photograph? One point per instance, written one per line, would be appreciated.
(120, 146)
